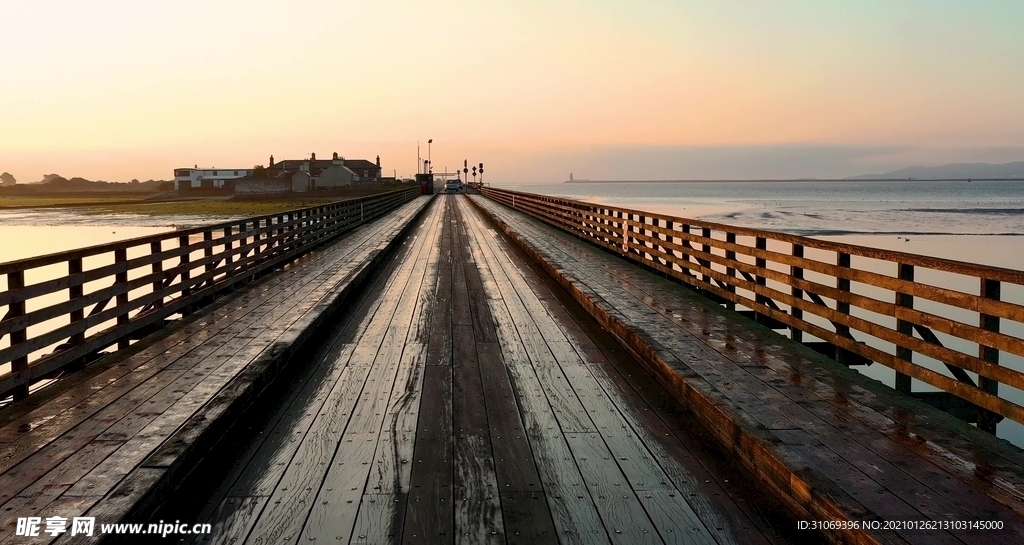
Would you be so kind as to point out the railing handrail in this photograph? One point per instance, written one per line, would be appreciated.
(228, 254)
(938, 263)
(685, 249)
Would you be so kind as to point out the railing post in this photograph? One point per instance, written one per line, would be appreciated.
(706, 248)
(121, 279)
(16, 309)
(730, 271)
(76, 291)
(761, 243)
(843, 284)
(987, 420)
(623, 227)
(905, 300)
(228, 246)
(156, 268)
(257, 241)
(640, 227)
(798, 313)
(183, 264)
(629, 232)
(684, 255)
(208, 254)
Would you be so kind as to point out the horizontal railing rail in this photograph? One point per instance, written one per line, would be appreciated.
(61, 310)
(939, 321)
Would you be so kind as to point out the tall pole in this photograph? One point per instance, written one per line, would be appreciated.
(429, 162)
(418, 160)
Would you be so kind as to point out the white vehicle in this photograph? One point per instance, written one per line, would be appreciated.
(453, 186)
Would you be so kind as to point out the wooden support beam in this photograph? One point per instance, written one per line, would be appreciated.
(990, 289)
(905, 300)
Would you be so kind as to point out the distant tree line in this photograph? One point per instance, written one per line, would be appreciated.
(56, 182)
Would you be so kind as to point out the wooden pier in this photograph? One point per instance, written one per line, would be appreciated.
(452, 370)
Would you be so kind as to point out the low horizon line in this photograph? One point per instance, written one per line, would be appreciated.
(695, 180)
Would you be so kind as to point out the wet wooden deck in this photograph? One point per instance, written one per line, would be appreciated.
(468, 399)
(468, 392)
(834, 443)
(121, 432)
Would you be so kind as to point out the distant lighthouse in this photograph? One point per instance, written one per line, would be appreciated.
(570, 176)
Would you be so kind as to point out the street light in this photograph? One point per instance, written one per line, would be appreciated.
(429, 162)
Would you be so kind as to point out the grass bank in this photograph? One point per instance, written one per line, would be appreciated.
(204, 207)
(43, 201)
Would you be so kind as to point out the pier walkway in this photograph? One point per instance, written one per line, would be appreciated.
(455, 371)
(465, 401)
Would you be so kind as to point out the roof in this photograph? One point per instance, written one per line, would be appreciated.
(323, 164)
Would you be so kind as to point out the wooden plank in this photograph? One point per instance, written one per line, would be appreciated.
(429, 515)
(234, 517)
(266, 464)
(514, 466)
(477, 506)
(573, 513)
(623, 515)
(380, 520)
(527, 519)
(332, 515)
(392, 463)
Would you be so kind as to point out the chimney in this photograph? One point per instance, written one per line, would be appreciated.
(271, 160)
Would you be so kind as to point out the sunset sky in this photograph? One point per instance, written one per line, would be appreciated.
(641, 89)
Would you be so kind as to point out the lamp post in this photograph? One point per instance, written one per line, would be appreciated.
(429, 162)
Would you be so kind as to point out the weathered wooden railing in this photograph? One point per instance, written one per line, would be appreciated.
(60, 310)
(831, 291)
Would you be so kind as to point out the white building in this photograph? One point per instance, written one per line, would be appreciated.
(185, 178)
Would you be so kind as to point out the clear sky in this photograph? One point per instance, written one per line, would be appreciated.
(646, 89)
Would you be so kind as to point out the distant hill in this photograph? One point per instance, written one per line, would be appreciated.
(956, 171)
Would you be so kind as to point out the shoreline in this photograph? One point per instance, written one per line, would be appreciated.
(801, 180)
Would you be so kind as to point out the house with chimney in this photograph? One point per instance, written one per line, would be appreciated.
(312, 174)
